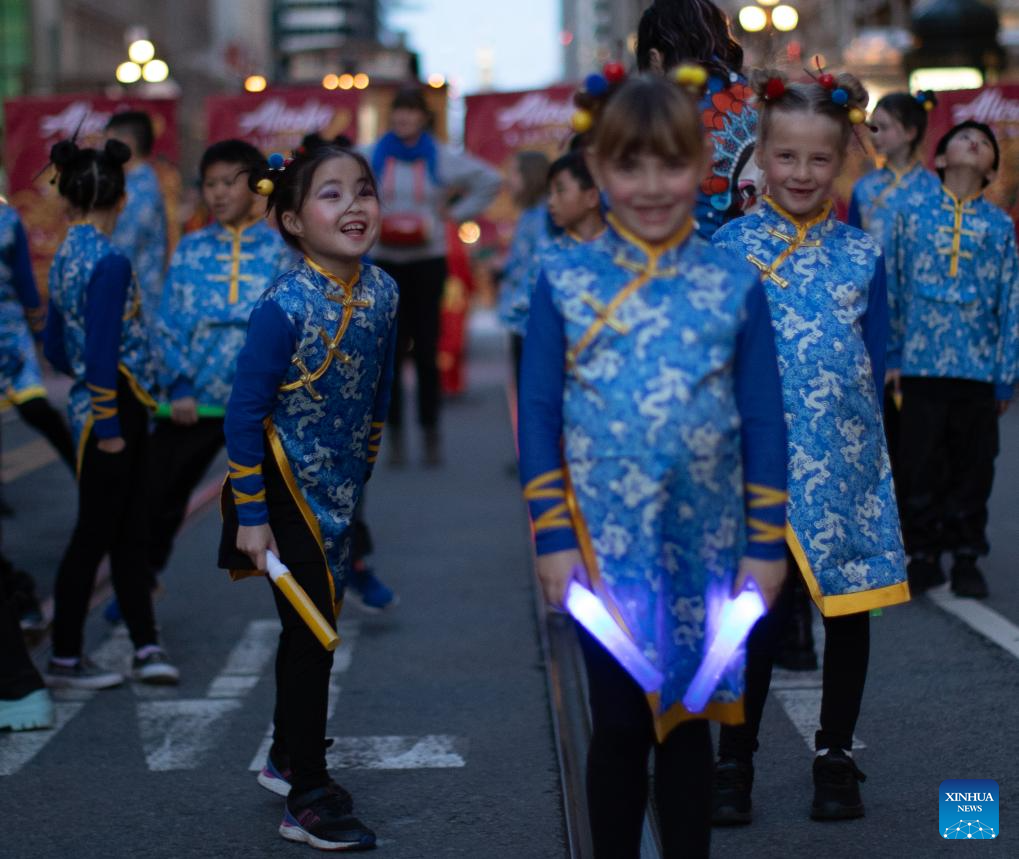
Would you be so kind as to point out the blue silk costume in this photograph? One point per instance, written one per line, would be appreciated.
(94, 330)
(314, 378)
(20, 311)
(954, 292)
(827, 294)
(515, 289)
(880, 195)
(216, 276)
(141, 234)
(649, 394)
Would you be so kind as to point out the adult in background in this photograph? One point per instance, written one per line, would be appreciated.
(423, 184)
(697, 31)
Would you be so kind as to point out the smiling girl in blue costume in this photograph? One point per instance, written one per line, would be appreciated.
(303, 427)
(652, 456)
(826, 289)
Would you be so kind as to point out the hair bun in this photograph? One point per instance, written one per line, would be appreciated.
(64, 152)
(117, 151)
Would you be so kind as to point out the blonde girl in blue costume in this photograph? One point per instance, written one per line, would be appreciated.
(827, 293)
(303, 427)
(652, 456)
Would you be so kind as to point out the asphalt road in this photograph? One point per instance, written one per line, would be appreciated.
(440, 706)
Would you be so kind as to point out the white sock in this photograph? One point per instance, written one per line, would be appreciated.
(848, 753)
(147, 650)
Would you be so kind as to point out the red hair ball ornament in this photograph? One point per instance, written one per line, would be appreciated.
(614, 72)
(774, 88)
(827, 80)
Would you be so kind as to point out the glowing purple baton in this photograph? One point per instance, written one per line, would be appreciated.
(589, 612)
(736, 619)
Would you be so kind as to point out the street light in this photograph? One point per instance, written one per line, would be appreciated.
(142, 64)
(753, 19)
(129, 72)
(255, 83)
(768, 17)
(155, 71)
(141, 51)
(784, 18)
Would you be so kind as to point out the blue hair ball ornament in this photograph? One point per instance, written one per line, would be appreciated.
(715, 85)
(596, 84)
(840, 96)
(276, 161)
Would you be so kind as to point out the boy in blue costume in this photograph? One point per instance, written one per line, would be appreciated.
(955, 344)
(825, 283)
(216, 276)
(95, 334)
(652, 457)
(303, 428)
(141, 228)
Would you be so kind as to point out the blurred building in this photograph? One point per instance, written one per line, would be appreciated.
(596, 31)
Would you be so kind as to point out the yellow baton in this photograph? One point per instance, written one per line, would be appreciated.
(299, 599)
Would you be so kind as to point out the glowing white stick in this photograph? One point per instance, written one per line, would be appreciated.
(589, 612)
(737, 618)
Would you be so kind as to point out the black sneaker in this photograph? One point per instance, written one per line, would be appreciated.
(967, 580)
(730, 801)
(155, 669)
(322, 818)
(84, 674)
(836, 787)
(924, 572)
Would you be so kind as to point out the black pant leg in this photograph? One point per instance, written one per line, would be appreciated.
(39, 414)
(429, 282)
(922, 459)
(684, 772)
(303, 664)
(617, 760)
(107, 492)
(846, 656)
(179, 458)
(763, 643)
(972, 449)
(404, 316)
(18, 676)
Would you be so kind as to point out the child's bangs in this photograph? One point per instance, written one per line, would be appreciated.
(658, 120)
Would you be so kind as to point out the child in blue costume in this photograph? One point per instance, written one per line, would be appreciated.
(652, 456)
(95, 334)
(303, 428)
(955, 344)
(141, 228)
(826, 290)
(526, 183)
(216, 276)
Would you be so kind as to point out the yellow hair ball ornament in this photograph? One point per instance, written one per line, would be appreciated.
(265, 187)
(690, 75)
(928, 105)
(581, 121)
(857, 116)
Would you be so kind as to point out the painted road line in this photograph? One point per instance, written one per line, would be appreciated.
(26, 458)
(17, 749)
(247, 661)
(178, 735)
(437, 751)
(978, 617)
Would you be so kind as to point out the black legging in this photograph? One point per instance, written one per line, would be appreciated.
(18, 676)
(421, 285)
(844, 673)
(39, 414)
(617, 768)
(111, 519)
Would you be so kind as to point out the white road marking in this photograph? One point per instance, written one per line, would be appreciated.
(247, 661)
(978, 617)
(17, 749)
(437, 751)
(177, 735)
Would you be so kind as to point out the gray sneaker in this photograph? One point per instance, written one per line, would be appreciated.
(84, 674)
(155, 669)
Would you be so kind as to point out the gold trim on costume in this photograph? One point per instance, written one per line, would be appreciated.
(239, 472)
(100, 397)
(768, 270)
(33, 392)
(246, 497)
(235, 235)
(276, 446)
(879, 201)
(765, 532)
(765, 496)
(349, 304)
(958, 209)
(840, 604)
(538, 487)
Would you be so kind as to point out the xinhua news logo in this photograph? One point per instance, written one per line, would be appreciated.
(968, 809)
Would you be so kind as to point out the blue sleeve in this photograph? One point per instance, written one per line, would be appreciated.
(762, 427)
(261, 367)
(853, 217)
(1006, 363)
(53, 341)
(175, 326)
(381, 407)
(24, 281)
(875, 326)
(540, 424)
(105, 300)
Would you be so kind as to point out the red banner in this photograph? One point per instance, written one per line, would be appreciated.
(276, 120)
(34, 124)
(998, 107)
(499, 125)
